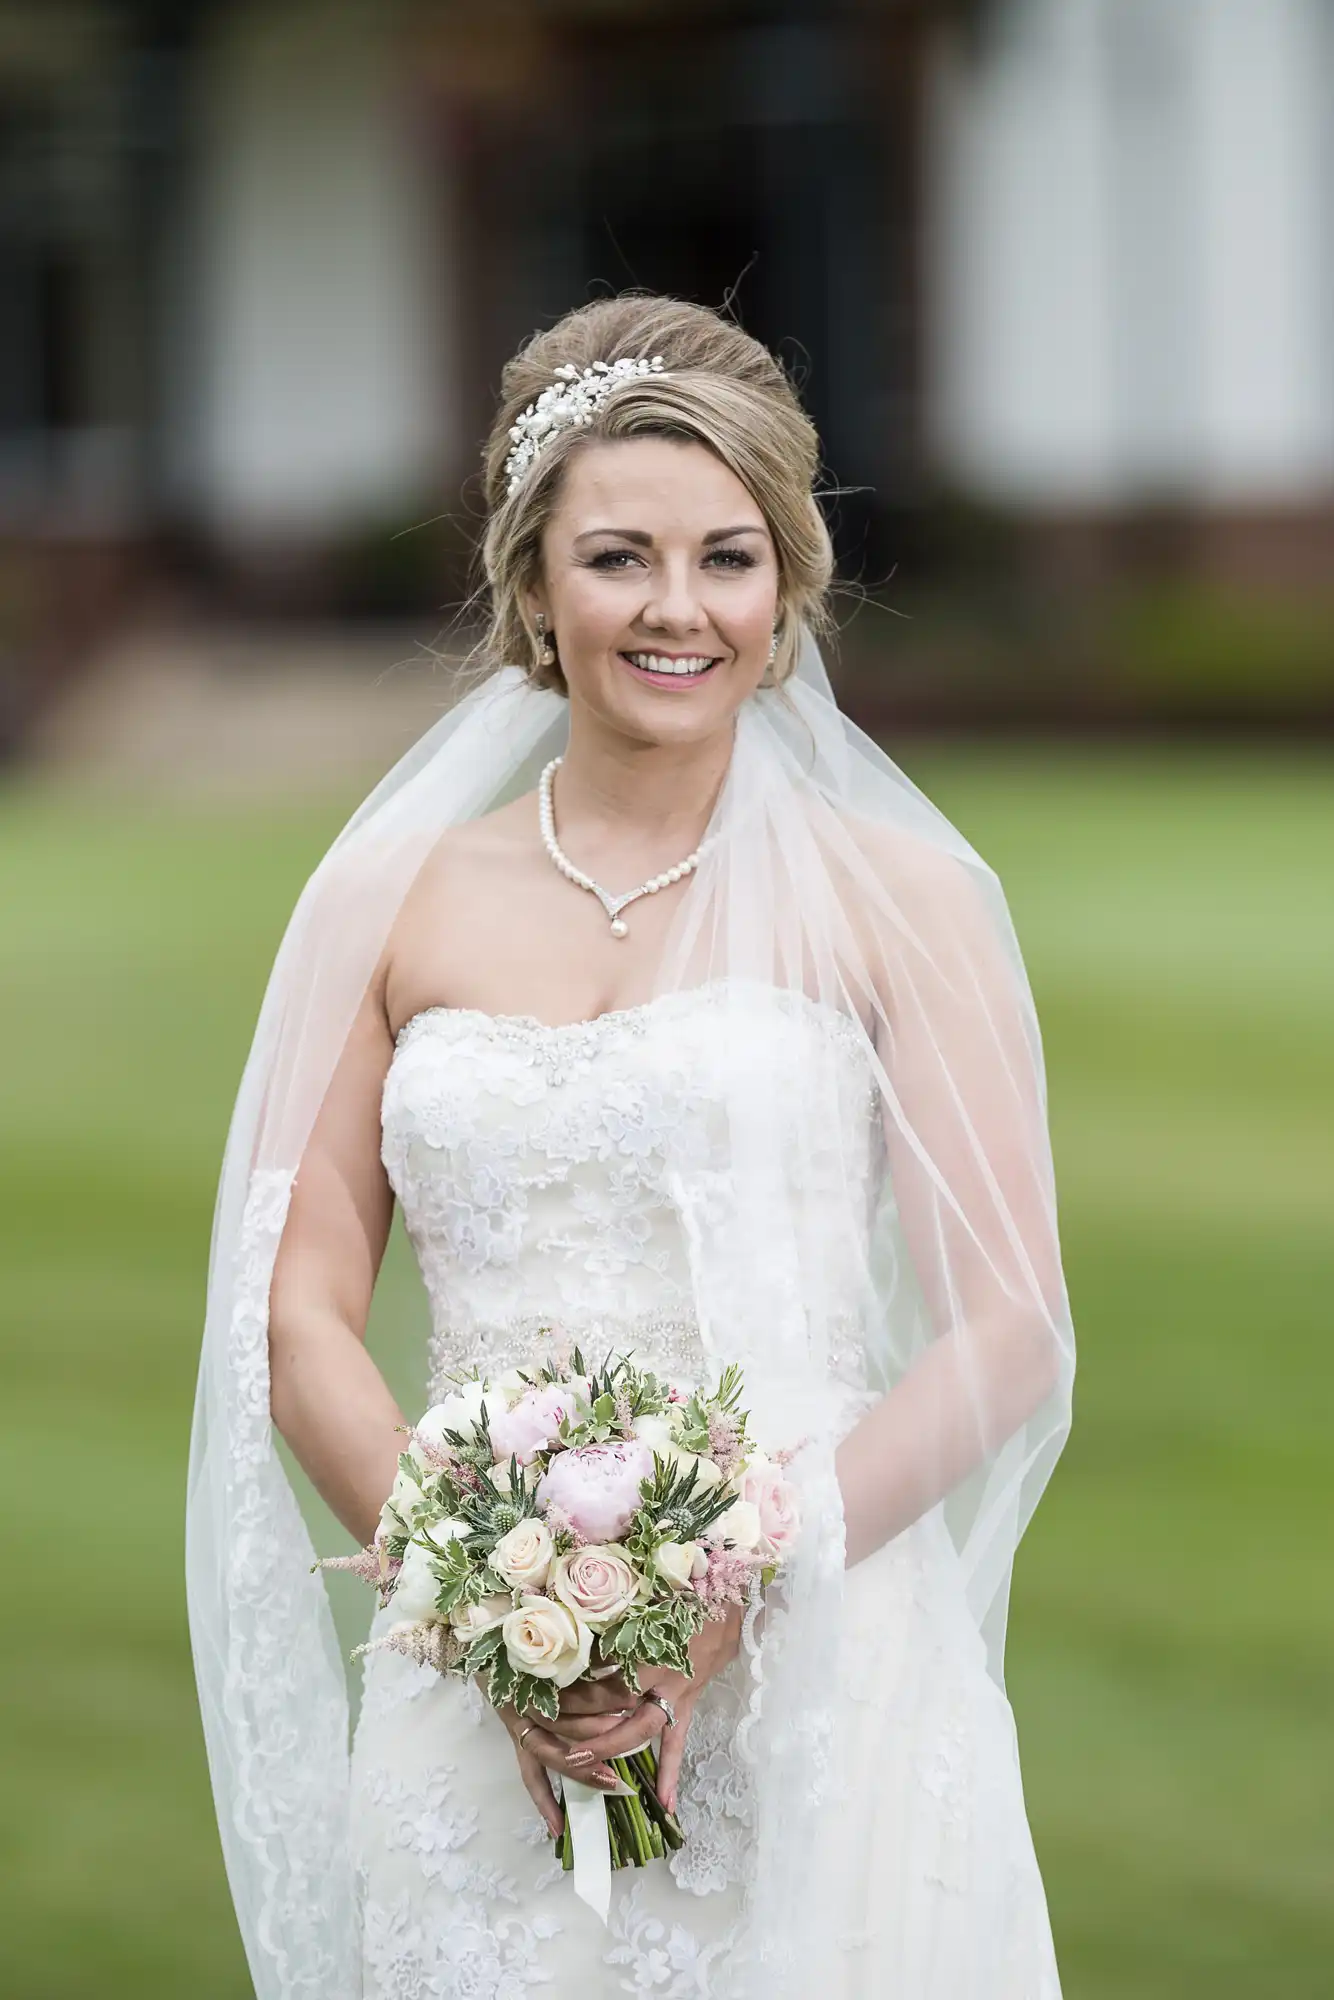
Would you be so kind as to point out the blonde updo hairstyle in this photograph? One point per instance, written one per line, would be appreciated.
(719, 388)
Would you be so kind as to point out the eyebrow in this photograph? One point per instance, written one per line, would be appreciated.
(643, 540)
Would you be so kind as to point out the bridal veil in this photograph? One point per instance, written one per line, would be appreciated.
(825, 871)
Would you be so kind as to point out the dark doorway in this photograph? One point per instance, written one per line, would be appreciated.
(762, 156)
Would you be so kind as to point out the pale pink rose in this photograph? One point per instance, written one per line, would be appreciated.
(598, 1584)
(596, 1487)
(531, 1425)
(775, 1500)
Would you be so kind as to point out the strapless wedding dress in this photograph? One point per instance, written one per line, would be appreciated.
(536, 1168)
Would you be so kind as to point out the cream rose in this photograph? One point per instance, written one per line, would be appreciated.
(547, 1640)
(707, 1474)
(680, 1561)
(740, 1525)
(522, 1558)
(470, 1621)
(597, 1583)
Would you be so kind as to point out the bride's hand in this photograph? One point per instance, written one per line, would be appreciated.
(538, 1751)
(598, 1738)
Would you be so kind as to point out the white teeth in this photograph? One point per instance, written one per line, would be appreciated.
(654, 663)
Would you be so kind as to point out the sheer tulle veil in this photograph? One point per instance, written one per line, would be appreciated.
(826, 873)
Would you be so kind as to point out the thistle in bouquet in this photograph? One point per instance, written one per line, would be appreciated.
(566, 1522)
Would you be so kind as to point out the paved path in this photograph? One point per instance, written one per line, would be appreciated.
(215, 712)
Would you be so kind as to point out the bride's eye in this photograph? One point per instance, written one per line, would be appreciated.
(611, 559)
(731, 558)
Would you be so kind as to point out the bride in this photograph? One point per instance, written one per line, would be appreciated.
(678, 1022)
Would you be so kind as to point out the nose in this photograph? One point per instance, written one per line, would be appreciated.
(673, 603)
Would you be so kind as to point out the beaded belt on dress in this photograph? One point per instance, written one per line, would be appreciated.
(669, 1343)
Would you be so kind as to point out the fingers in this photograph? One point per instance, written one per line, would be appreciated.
(538, 1787)
(670, 1752)
(596, 1697)
(546, 1753)
(640, 1726)
(583, 1728)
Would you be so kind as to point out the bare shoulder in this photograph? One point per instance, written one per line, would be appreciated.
(883, 861)
(505, 834)
(476, 851)
(468, 910)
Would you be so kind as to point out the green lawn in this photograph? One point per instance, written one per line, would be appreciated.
(1173, 1625)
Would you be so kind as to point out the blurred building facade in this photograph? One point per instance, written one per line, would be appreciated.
(1058, 274)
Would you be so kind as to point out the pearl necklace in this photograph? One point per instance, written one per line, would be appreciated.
(613, 905)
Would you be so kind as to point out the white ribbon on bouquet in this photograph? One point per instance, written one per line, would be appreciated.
(586, 1812)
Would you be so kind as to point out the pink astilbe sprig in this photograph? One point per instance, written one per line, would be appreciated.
(466, 1477)
(434, 1459)
(724, 1442)
(425, 1645)
(562, 1526)
(369, 1564)
(374, 1565)
(725, 1582)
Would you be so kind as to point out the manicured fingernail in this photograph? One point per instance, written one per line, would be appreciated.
(578, 1756)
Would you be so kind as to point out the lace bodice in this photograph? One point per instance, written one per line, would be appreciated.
(541, 1170)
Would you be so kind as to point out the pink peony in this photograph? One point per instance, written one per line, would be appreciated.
(530, 1426)
(596, 1487)
(775, 1500)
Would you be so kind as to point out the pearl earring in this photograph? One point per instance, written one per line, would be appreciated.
(547, 652)
(773, 647)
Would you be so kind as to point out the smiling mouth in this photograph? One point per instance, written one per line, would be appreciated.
(662, 668)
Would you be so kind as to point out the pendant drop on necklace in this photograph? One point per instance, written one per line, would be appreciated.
(613, 905)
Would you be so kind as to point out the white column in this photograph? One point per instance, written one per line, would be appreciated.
(1019, 322)
(1267, 249)
(1133, 276)
(320, 366)
(1152, 163)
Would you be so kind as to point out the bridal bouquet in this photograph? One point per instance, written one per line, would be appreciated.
(565, 1522)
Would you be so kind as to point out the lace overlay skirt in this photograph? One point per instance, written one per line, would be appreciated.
(925, 1852)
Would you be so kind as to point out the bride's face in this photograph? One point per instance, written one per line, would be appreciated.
(660, 588)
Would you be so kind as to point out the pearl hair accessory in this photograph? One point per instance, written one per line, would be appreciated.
(613, 905)
(574, 398)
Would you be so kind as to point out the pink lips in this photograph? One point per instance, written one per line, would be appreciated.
(678, 683)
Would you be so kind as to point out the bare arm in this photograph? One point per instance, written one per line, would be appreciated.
(964, 1108)
(329, 1400)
